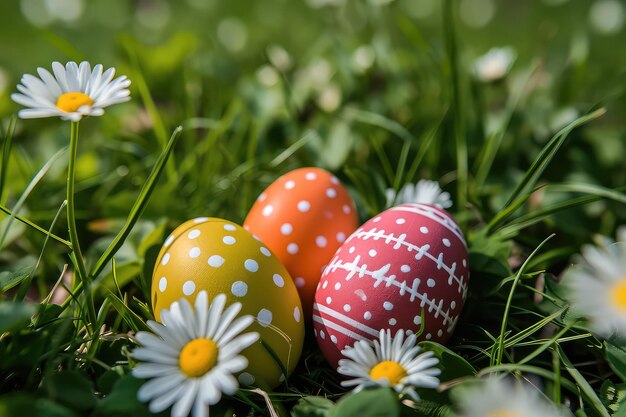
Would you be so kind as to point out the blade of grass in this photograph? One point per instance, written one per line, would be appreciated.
(497, 359)
(594, 193)
(378, 120)
(27, 281)
(6, 152)
(426, 141)
(582, 383)
(488, 153)
(287, 153)
(547, 154)
(144, 91)
(33, 183)
(454, 78)
(35, 226)
(139, 206)
(404, 155)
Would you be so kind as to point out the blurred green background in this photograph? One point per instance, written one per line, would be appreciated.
(267, 86)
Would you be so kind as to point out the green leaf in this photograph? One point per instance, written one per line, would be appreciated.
(451, 364)
(9, 279)
(21, 404)
(381, 402)
(70, 388)
(549, 151)
(616, 357)
(122, 400)
(313, 407)
(14, 315)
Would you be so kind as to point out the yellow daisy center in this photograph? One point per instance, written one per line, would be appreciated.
(618, 294)
(71, 102)
(503, 414)
(390, 370)
(198, 357)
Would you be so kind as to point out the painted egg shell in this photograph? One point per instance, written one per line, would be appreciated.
(406, 263)
(303, 217)
(221, 257)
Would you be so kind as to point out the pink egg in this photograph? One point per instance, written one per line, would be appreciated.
(406, 268)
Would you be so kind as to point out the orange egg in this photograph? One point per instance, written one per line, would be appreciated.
(303, 217)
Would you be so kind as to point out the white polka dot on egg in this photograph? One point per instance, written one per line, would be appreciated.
(290, 184)
(329, 300)
(267, 210)
(405, 268)
(166, 259)
(334, 180)
(367, 315)
(296, 314)
(193, 234)
(200, 220)
(304, 206)
(431, 282)
(251, 265)
(246, 378)
(341, 237)
(331, 193)
(372, 252)
(194, 252)
(321, 241)
(239, 288)
(347, 308)
(229, 240)
(333, 339)
(265, 251)
(162, 284)
(417, 320)
(400, 221)
(189, 287)
(300, 282)
(264, 317)
(216, 261)
(278, 280)
(387, 305)
(310, 176)
(446, 242)
(286, 229)
(424, 229)
(346, 209)
(337, 285)
(169, 240)
(230, 227)
(392, 322)
(292, 248)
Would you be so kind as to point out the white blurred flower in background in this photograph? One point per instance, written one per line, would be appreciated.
(495, 64)
(607, 16)
(504, 398)
(597, 285)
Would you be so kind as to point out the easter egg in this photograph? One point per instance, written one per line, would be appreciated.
(303, 217)
(406, 268)
(221, 257)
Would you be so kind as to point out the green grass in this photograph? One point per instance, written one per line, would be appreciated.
(534, 163)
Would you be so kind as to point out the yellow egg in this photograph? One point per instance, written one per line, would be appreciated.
(221, 257)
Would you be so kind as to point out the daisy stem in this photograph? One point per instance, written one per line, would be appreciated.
(79, 263)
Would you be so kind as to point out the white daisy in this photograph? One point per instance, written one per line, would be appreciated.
(390, 362)
(193, 355)
(598, 286)
(497, 397)
(495, 64)
(425, 192)
(74, 91)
